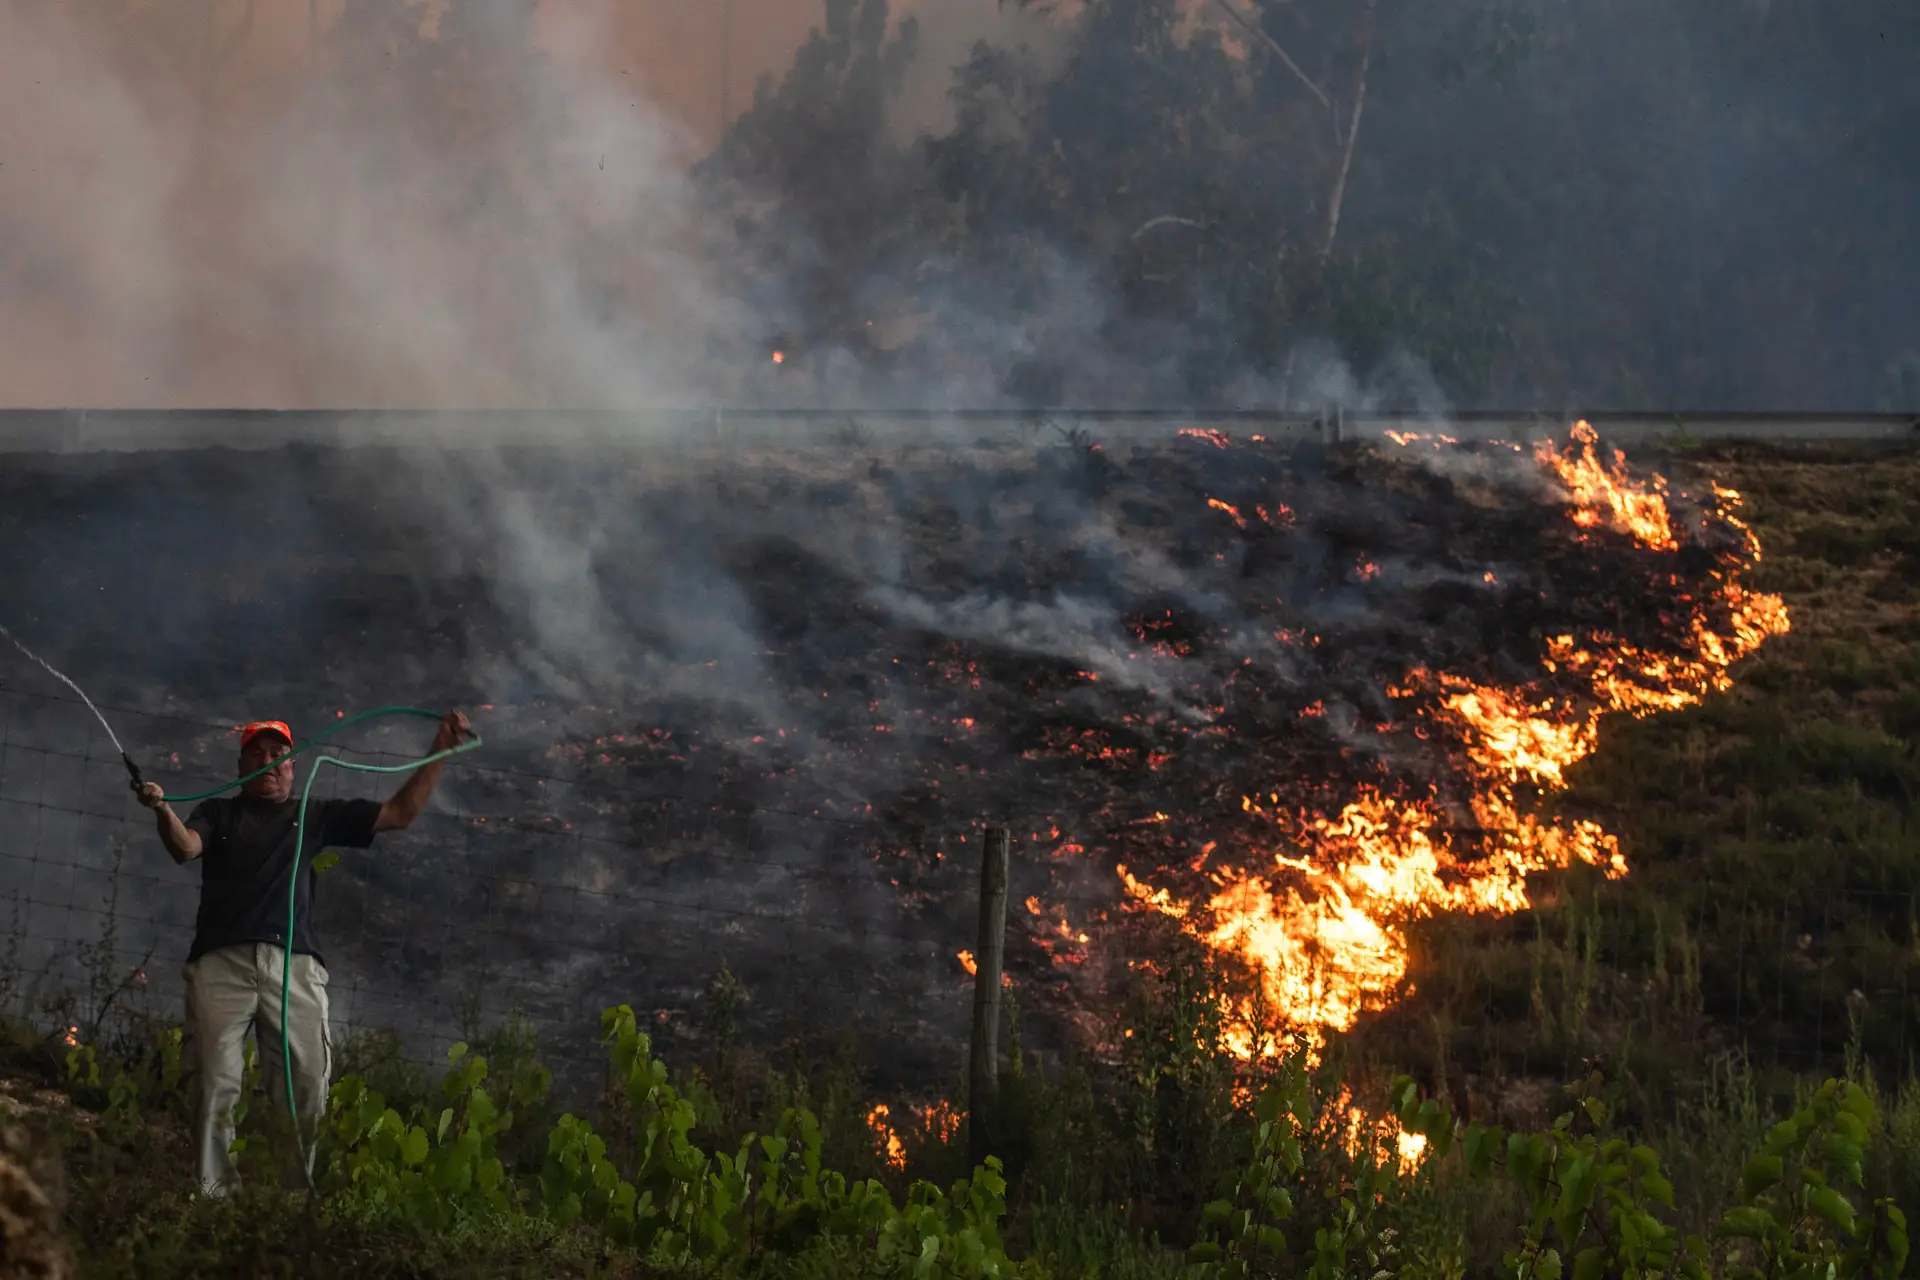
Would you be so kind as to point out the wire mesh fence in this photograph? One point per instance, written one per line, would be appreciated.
(1817, 976)
(529, 893)
(1796, 978)
(519, 895)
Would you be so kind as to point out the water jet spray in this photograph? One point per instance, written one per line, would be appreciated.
(133, 770)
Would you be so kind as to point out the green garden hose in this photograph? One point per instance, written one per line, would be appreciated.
(299, 842)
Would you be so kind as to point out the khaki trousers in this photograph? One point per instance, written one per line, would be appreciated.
(229, 991)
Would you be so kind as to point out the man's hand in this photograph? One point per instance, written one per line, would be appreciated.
(454, 730)
(183, 844)
(398, 813)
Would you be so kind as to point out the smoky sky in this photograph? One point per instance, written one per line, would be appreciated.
(480, 203)
(241, 204)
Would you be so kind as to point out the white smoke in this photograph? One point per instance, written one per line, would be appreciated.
(479, 220)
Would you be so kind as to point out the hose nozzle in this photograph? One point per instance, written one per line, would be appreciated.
(133, 772)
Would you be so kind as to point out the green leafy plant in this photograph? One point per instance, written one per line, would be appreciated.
(1594, 1200)
(661, 1195)
(679, 1205)
(1243, 1229)
(1796, 1217)
(431, 1176)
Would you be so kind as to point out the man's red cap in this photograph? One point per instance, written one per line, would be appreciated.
(249, 732)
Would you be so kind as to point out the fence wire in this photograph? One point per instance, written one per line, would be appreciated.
(527, 894)
(518, 895)
(1817, 977)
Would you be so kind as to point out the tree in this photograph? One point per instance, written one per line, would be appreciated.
(1591, 202)
(820, 204)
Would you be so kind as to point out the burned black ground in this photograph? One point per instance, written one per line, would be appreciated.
(756, 709)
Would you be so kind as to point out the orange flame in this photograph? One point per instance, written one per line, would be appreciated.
(886, 1137)
(941, 1121)
(1610, 494)
(1219, 505)
(1363, 1133)
(972, 967)
(1330, 944)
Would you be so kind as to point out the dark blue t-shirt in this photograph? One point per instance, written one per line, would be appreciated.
(246, 853)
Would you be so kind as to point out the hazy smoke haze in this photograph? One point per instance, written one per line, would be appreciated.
(359, 203)
(224, 202)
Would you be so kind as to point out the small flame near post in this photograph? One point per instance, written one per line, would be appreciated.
(938, 1122)
(1363, 1133)
(972, 967)
(886, 1136)
(941, 1120)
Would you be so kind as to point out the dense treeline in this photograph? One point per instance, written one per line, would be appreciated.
(1601, 203)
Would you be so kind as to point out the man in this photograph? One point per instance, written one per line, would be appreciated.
(245, 845)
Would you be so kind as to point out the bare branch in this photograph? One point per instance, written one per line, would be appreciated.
(135, 976)
(1339, 194)
(1165, 219)
(1253, 29)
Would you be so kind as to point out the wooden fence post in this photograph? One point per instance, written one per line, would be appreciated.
(989, 955)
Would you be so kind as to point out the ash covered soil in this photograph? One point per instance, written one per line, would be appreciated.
(756, 707)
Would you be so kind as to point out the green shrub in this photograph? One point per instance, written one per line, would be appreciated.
(1315, 1188)
(1598, 1204)
(671, 1202)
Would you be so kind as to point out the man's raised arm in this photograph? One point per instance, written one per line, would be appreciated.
(398, 813)
(181, 841)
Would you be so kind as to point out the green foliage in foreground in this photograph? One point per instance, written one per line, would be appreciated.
(673, 1203)
(1595, 1200)
(1594, 1203)
(450, 1181)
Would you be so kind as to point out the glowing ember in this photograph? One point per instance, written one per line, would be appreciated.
(1324, 927)
(779, 357)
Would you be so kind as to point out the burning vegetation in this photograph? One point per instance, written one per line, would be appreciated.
(1321, 924)
(1306, 741)
(1282, 699)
